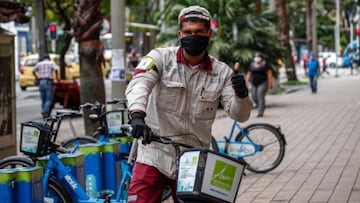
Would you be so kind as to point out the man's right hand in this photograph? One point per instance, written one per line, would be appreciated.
(140, 129)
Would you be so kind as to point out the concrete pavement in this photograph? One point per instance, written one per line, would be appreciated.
(322, 158)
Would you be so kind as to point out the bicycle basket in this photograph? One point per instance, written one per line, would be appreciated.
(35, 138)
(206, 176)
(114, 120)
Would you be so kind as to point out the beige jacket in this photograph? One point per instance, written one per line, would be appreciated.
(181, 102)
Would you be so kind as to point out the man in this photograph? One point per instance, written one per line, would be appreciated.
(313, 72)
(133, 60)
(43, 72)
(175, 92)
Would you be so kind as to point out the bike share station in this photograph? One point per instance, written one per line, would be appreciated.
(90, 174)
(19, 184)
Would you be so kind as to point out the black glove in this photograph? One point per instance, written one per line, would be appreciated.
(140, 129)
(239, 85)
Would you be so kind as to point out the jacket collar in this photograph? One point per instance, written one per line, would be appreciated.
(205, 63)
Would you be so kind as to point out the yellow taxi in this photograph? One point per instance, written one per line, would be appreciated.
(73, 62)
(72, 69)
(27, 78)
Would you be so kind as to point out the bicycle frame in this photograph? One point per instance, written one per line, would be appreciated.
(54, 164)
(238, 149)
(55, 167)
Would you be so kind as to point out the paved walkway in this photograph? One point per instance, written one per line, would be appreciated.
(322, 158)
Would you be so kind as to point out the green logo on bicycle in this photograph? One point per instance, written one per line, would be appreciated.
(223, 175)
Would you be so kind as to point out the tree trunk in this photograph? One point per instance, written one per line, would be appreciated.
(309, 22)
(87, 24)
(285, 39)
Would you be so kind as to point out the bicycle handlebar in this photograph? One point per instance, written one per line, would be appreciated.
(166, 140)
(98, 106)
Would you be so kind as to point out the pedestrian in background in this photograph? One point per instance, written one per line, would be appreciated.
(313, 72)
(324, 65)
(305, 62)
(44, 72)
(259, 77)
(175, 92)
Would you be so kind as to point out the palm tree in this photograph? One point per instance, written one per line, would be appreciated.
(87, 23)
(239, 34)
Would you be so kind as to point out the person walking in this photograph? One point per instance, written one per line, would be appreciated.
(259, 76)
(324, 65)
(43, 72)
(175, 92)
(313, 72)
(133, 60)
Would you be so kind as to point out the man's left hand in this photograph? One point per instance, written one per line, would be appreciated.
(238, 82)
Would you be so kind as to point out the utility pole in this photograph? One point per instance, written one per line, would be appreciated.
(40, 21)
(118, 69)
(337, 34)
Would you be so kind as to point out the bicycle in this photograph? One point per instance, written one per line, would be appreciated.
(21, 161)
(260, 145)
(38, 140)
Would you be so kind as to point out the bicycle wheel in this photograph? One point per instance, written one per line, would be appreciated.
(166, 193)
(272, 147)
(72, 142)
(57, 193)
(15, 162)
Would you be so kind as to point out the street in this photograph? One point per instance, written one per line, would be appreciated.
(28, 104)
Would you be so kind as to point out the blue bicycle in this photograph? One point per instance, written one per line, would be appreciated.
(260, 145)
(38, 140)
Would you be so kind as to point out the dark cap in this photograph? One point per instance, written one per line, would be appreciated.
(46, 56)
(194, 12)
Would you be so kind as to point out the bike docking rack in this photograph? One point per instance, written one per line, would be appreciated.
(108, 157)
(204, 175)
(21, 185)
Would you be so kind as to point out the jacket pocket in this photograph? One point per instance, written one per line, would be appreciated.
(207, 106)
(169, 95)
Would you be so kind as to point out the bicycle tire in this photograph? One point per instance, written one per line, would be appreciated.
(272, 144)
(166, 193)
(70, 143)
(16, 162)
(58, 192)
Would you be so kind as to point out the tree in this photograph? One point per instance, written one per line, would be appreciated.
(309, 24)
(87, 24)
(62, 10)
(284, 28)
(239, 33)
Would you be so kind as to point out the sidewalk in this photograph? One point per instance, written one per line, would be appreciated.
(322, 158)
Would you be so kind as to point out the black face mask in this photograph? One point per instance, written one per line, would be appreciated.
(195, 44)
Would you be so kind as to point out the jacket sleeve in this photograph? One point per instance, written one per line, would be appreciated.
(141, 85)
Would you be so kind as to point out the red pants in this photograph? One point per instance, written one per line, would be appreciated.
(147, 185)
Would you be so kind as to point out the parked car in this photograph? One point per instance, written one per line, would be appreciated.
(75, 61)
(72, 69)
(331, 59)
(27, 78)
